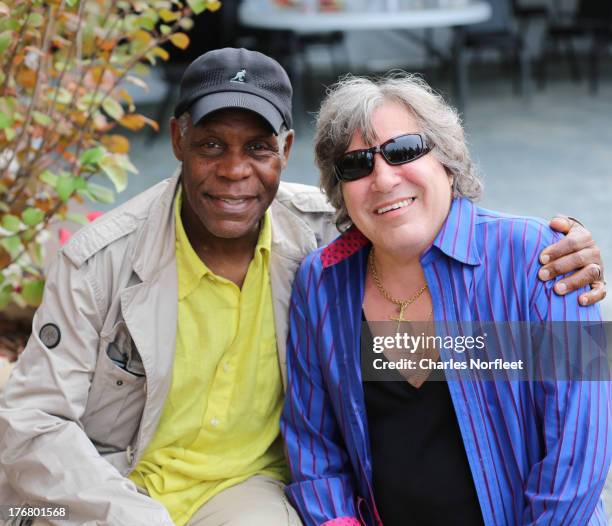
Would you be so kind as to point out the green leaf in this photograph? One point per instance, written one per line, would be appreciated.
(89, 100)
(32, 216)
(79, 183)
(146, 23)
(72, 3)
(41, 118)
(65, 187)
(80, 219)
(99, 193)
(197, 6)
(12, 245)
(165, 29)
(63, 96)
(186, 23)
(5, 40)
(126, 164)
(35, 20)
(6, 121)
(115, 172)
(49, 178)
(28, 235)
(5, 297)
(10, 134)
(113, 108)
(32, 292)
(11, 223)
(92, 156)
(36, 255)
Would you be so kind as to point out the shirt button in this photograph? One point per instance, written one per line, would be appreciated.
(214, 422)
(119, 383)
(227, 367)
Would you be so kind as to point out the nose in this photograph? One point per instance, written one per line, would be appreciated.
(386, 176)
(233, 165)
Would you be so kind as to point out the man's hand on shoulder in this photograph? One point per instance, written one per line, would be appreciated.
(577, 253)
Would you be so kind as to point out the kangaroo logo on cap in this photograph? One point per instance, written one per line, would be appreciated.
(239, 77)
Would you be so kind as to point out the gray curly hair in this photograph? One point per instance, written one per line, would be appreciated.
(348, 107)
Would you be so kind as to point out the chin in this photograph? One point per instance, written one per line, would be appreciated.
(232, 230)
(409, 239)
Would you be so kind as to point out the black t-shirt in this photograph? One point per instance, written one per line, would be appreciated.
(421, 473)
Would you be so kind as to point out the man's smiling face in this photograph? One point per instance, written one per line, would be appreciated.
(232, 163)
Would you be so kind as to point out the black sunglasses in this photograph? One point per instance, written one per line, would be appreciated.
(398, 150)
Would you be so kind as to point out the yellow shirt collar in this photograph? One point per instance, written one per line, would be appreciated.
(191, 269)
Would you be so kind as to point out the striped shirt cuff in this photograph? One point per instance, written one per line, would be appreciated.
(343, 521)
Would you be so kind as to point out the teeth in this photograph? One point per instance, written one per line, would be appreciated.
(231, 201)
(395, 206)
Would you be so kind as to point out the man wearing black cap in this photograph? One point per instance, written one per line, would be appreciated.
(150, 390)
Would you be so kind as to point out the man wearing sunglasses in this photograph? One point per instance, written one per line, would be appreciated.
(398, 150)
(151, 388)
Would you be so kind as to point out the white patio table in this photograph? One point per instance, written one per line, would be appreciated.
(393, 14)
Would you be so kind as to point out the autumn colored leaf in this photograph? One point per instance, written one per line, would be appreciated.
(133, 122)
(180, 40)
(5, 260)
(27, 78)
(116, 143)
(142, 36)
(161, 53)
(169, 16)
(127, 97)
(213, 5)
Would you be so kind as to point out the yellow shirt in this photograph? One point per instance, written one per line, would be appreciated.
(220, 422)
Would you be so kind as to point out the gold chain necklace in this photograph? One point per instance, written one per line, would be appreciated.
(402, 304)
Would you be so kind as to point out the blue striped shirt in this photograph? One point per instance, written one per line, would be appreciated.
(539, 452)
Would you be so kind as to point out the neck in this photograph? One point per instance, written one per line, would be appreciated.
(226, 257)
(392, 263)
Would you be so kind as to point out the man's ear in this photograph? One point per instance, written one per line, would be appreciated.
(177, 139)
(287, 148)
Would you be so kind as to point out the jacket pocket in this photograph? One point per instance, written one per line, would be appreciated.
(117, 394)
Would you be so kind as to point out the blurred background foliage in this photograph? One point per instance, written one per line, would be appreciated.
(64, 101)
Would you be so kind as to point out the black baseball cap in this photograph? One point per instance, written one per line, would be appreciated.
(236, 78)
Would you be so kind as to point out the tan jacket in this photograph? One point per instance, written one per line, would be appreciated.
(72, 423)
